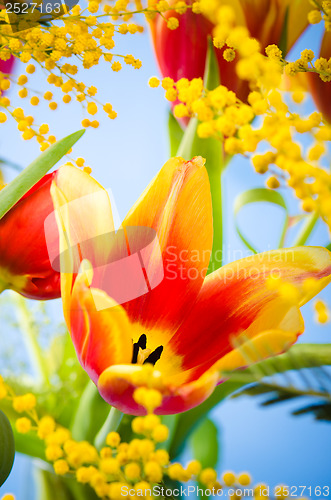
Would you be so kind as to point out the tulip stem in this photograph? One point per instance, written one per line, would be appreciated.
(30, 336)
(215, 179)
(306, 230)
(111, 424)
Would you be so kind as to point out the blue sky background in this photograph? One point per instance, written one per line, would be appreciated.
(125, 154)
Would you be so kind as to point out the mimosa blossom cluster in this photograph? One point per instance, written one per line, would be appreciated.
(320, 12)
(86, 36)
(81, 37)
(119, 467)
(265, 119)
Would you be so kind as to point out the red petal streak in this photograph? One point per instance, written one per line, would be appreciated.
(235, 299)
(177, 205)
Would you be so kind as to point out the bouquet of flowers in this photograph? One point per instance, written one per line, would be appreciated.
(125, 339)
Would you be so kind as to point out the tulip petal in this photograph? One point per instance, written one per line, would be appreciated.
(321, 91)
(176, 57)
(24, 260)
(84, 218)
(267, 20)
(86, 209)
(177, 205)
(297, 20)
(101, 337)
(118, 383)
(262, 346)
(235, 300)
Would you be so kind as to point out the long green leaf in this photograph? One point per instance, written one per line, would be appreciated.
(254, 196)
(90, 414)
(188, 421)
(10, 194)
(205, 444)
(175, 134)
(211, 78)
(307, 229)
(7, 448)
(299, 356)
(29, 444)
(53, 487)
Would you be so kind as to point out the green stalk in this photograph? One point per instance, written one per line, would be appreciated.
(306, 230)
(215, 179)
(30, 336)
(3, 286)
(111, 424)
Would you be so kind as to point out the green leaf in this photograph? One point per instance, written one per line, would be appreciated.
(306, 229)
(283, 38)
(204, 442)
(211, 78)
(321, 411)
(30, 445)
(10, 194)
(299, 356)
(313, 384)
(175, 134)
(187, 422)
(90, 414)
(53, 487)
(7, 448)
(255, 196)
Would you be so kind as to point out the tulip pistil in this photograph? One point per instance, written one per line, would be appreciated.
(142, 355)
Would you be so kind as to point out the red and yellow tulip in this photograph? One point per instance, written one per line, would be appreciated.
(24, 263)
(185, 326)
(6, 67)
(321, 90)
(182, 52)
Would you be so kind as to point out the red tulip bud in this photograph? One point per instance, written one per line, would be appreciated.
(24, 263)
(321, 90)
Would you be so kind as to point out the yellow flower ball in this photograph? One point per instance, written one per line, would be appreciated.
(153, 82)
(92, 108)
(314, 16)
(132, 471)
(272, 182)
(23, 425)
(153, 471)
(160, 433)
(208, 476)
(30, 69)
(113, 439)
(24, 403)
(46, 426)
(244, 479)
(61, 467)
(34, 101)
(172, 23)
(229, 478)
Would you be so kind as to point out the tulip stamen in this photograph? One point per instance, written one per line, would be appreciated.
(141, 344)
(142, 355)
(154, 356)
